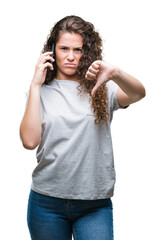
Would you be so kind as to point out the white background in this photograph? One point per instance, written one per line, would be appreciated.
(134, 40)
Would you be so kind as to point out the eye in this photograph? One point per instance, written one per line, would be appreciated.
(64, 48)
(78, 50)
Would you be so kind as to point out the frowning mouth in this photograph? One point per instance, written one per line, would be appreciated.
(70, 64)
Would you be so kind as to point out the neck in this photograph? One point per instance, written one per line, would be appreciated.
(61, 76)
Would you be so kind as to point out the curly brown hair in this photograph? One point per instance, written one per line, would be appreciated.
(92, 51)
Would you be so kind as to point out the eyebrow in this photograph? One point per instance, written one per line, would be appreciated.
(68, 47)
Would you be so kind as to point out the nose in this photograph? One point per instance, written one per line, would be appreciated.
(70, 56)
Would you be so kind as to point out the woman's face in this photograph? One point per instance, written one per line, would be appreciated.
(68, 52)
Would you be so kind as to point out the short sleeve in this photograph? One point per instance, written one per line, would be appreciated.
(112, 88)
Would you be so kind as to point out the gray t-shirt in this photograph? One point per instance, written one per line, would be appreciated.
(75, 156)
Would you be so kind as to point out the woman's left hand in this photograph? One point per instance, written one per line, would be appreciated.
(102, 72)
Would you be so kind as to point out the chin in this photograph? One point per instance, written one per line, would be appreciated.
(70, 72)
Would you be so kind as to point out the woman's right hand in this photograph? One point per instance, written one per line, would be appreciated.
(41, 68)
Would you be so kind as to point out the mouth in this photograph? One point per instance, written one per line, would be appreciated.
(70, 64)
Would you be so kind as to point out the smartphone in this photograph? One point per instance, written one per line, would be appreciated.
(53, 55)
(53, 50)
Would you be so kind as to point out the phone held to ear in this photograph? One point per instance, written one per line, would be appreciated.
(53, 50)
(53, 55)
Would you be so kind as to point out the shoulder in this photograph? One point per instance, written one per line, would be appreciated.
(111, 85)
(112, 88)
(45, 87)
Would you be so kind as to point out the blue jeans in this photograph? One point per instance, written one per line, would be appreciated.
(51, 218)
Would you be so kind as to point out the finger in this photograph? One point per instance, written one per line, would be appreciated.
(93, 70)
(94, 90)
(47, 64)
(47, 58)
(96, 65)
(50, 53)
(90, 75)
(47, 53)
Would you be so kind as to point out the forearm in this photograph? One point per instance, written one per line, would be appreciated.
(30, 128)
(130, 85)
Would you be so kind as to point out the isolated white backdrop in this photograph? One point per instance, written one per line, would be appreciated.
(134, 40)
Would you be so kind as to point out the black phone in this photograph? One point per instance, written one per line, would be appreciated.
(53, 50)
(53, 55)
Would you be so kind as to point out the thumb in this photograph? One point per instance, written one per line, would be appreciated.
(94, 90)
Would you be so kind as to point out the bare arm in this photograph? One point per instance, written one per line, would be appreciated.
(130, 89)
(30, 128)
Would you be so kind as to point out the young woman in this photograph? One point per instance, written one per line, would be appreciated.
(69, 109)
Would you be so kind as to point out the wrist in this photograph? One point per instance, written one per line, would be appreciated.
(34, 85)
(116, 73)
